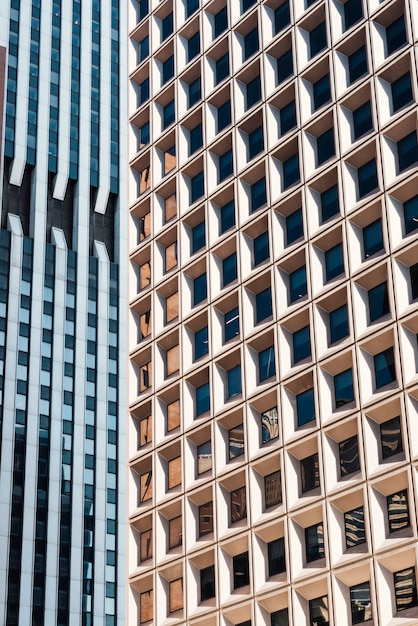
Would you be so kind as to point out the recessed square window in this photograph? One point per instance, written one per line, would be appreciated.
(396, 35)
(410, 211)
(405, 589)
(204, 457)
(297, 284)
(305, 407)
(224, 115)
(280, 618)
(261, 248)
(143, 6)
(195, 91)
(398, 511)
(233, 382)
(168, 69)
(361, 604)
(227, 216)
(196, 139)
(266, 364)
(314, 542)
(334, 262)
(191, 7)
(401, 92)
(318, 611)
(294, 226)
(202, 399)
(391, 437)
(291, 173)
(205, 519)
(201, 343)
(226, 165)
(241, 570)
(193, 46)
(229, 269)
(384, 368)
(175, 595)
(222, 68)
(198, 237)
(349, 456)
(407, 148)
(197, 187)
(355, 533)
(413, 272)
(263, 305)
(247, 4)
(281, 17)
(169, 114)
(235, 441)
(207, 583)
(287, 117)
(255, 142)
(276, 557)
(321, 92)
(372, 238)
(269, 425)
(199, 289)
(284, 66)
(238, 504)
(220, 21)
(367, 178)
(343, 388)
(318, 39)
(258, 194)
(301, 344)
(253, 92)
(143, 49)
(338, 324)
(250, 43)
(325, 146)
(175, 534)
(272, 489)
(231, 324)
(357, 64)
(309, 473)
(378, 302)
(166, 27)
(362, 120)
(330, 205)
(353, 13)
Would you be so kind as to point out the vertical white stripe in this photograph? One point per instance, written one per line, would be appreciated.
(5, 21)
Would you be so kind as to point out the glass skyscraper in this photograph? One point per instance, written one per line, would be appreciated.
(62, 416)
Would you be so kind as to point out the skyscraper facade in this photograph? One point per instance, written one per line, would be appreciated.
(62, 446)
(273, 285)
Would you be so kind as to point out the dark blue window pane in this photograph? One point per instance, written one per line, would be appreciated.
(410, 210)
(343, 388)
(233, 379)
(231, 320)
(169, 114)
(318, 39)
(202, 399)
(220, 21)
(199, 289)
(222, 68)
(338, 324)
(330, 205)
(193, 46)
(401, 92)
(198, 237)
(250, 43)
(144, 134)
(305, 407)
(284, 66)
(197, 187)
(255, 142)
(167, 26)
(334, 262)
(263, 305)
(353, 13)
(258, 194)
(301, 344)
(266, 364)
(143, 91)
(247, 4)
(281, 17)
(191, 7)
(224, 115)
(280, 618)
(261, 248)
(227, 216)
(143, 9)
(195, 91)
(362, 120)
(395, 35)
(407, 151)
(229, 269)
(253, 91)
(384, 368)
(143, 48)
(378, 301)
(196, 138)
(367, 178)
(314, 539)
(325, 146)
(321, 92)
(291, 171)
(294, 226)
(276, 557)
(287, 117)
(413, 272)
(372, 238)
(225, 165)
(357, 64)
(168, 69)
(201, 342)
(297, 284)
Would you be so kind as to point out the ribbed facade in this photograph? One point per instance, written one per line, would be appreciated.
(62, 329)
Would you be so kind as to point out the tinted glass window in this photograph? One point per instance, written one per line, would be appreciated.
(263, 305)
(367, 178)
(201, 342)
(261, 248)
(258, 194)
(378, 301)
(354, 527)
(220, 21)
(325, 146)
(353, 13)
(362, 120)
(224, 115)
(272, 489)
(396, 35)
(334, 262)
(314, 541)
(401, 92)
(255, 142)
(343, 388)
(287, 117)
(349, 456)
(227, 216)
(405, 589)
(372, 238)
(281, 17)
(297, 284)
(321, 92)
(253, 91)
(309, 469)
(301, 344)
(197, 187)
(384, 368)
(407, 151)
(196, 138)
(167, 26)
(250, 43)
(229, 269)
(199, 289)
(410, 210)
(330, 205)
(202, 399)
(266, 363)
(195, 92)
(233, 381)
(226, 165)
(305, 407)
(269, 425)
(391, 437)
(361, 605)
(241, 570)
(398, 511)
(357, 64)
(198, 237)
(231, 321)
(193, 46)
(222, 68)
(338, 324)
(276, 557)
(207, 583)
(294, 226)
(284, 66)
(291, 171)
(318, 39)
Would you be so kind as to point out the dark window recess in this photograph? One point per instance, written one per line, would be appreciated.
(272, 489)
(284, 66)
(199, 289)
(281, 17)
(291, 173)
(353, 13)
(205, 519)
(410, 211)
(314, 542)
(357, 64)
(330, 204)
(318, 39)
(224, 115)
(191, 7)
(287, 117)
(255, 142)
(405, 589)
(391, 437)
(367, 178)
(309, 473)
(241, 570)
(202, 399)
(236, 443)
(407, 151)
(143, 49)
(168, 69)
(261, 248)
(253, 92)
(195, 91)
(343, 388)
(401, 92)
(297, 284)
(250, 43)
(362, 120)
(169, 114)
(413, 272)
(59, 212)
(398, 511)
(143, 92)
(301, 344)
(354, 527)
(222, 68)
(229, 269)
(197, 187)
(196, 139)
(166, 27)
(266, 364)
(207, 583)
(321, 91)
(193, 46)
(201, 343)
(227, 216)
(220, 22)
(258, 194)
(280, 618)
(276, 557)
(360, 602)
(247, 4)
(318, 611)
(378, 302)
(384, 368)
(305, 407)
(334, 262)
(144, 135)
(263, 305)
(396, 35)
(325, 146)
(349, 456)
(338, 324)
(198, 237)
(372, 238)
(231, 324)
(226, 165)
(294, 226)
(269, 425)
(233, 381)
